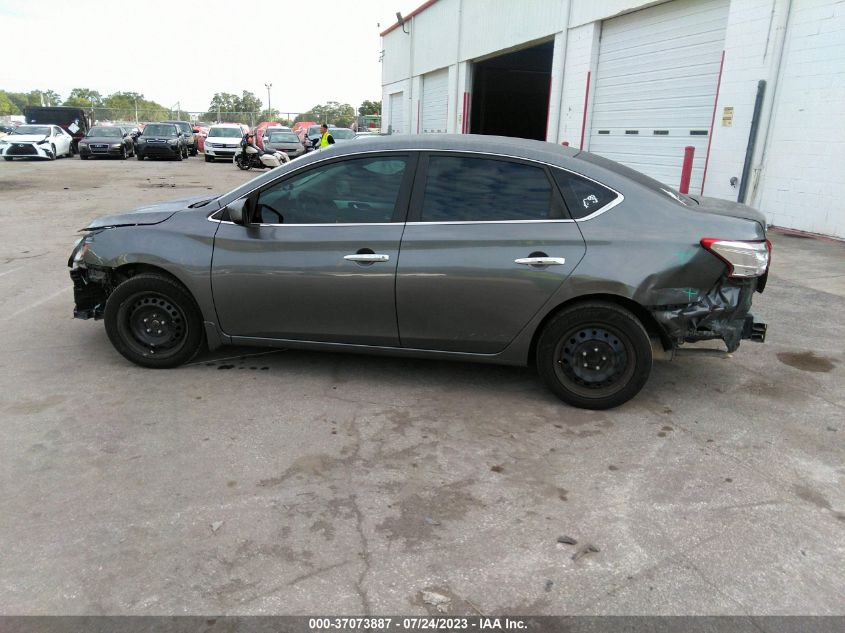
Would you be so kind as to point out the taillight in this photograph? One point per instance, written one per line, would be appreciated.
(744, 259)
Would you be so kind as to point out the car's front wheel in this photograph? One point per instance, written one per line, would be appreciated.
(594, 355)
(52, 152)
(153, 321)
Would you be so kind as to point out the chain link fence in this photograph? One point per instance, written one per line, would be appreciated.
(147, 115)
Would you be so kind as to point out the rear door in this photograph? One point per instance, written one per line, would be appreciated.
(487, 243)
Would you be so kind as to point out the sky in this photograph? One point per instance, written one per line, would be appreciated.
(311, 52)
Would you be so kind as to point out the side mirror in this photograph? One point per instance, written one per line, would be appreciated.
(236, 210)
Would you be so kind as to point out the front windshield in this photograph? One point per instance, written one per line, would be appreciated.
(225, 132)
(157, 129)
(282, 137)
(110, 132)
(33, 129)
(341, 133)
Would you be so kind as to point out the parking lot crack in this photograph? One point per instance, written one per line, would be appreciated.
(365, 557)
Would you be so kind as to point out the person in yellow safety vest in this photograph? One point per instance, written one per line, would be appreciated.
(326, 139)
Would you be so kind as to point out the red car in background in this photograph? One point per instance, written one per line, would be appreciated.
(200, 133)
(301, 130)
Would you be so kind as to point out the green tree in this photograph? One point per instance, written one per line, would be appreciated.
(6, 105)
(340, 114)
(84, 98)
(369, 107)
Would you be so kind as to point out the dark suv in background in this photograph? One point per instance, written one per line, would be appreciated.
(188, 130)
(161, 140)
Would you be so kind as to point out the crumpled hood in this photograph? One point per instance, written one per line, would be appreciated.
(728, 208)
(152, 214)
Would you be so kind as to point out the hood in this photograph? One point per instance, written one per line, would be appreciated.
(26, 138)
(103, 139)
(727, 207)
(223, 139)
(152, 214)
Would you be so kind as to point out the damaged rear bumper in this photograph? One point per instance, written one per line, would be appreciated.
(723, 313)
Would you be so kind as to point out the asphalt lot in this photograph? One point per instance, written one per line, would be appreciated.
(311, 483)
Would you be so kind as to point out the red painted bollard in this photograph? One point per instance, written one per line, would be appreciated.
(686, 170)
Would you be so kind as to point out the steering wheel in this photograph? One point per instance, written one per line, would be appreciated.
(309, 203)
(273, 210)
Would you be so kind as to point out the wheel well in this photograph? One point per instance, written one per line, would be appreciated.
(121, 273)
(646, 318)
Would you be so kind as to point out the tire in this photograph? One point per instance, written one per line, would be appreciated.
(194, 150)
(139, 156)
(179, 156)
(154, 322)
(8, 158)
(70, 150)
(240, 163)
(83, 157)
(208, 158)
(53, 152)
(123, 153)
(614, 346)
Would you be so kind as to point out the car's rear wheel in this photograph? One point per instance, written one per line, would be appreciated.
(594, 355)
(153, 321)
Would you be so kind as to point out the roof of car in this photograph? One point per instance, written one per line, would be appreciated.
(507, 146)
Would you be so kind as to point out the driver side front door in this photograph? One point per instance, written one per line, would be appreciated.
(318, 261)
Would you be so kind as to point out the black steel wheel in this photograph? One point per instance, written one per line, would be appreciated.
(153, 321)
(594, 355)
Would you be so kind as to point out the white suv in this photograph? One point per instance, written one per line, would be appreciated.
(223, 140)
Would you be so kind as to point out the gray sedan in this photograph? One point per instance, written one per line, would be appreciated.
(284, 141)
(470, 248)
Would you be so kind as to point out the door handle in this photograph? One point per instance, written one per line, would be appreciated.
(368, 258)
(540, 261)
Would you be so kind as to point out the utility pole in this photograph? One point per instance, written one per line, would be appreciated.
(269, 109)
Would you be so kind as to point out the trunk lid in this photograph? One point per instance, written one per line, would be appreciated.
(727, 208)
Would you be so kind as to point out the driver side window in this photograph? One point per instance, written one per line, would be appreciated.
(354, 191)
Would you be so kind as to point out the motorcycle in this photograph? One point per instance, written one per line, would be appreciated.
(256, 158)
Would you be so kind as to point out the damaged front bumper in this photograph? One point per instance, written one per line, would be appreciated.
(723, 313)
(91, 288)
(91, 284)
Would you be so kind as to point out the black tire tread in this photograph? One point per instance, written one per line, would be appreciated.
(600, 310)
(177, 291)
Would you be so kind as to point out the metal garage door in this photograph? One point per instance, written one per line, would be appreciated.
(397, 106)
(656, 87)
(434, 101)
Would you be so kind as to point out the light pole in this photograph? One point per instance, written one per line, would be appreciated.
(269, 109)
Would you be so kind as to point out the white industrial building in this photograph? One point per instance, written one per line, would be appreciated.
(757, 87)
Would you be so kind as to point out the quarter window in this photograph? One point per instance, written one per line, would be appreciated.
(361, 190)
(461, 189)
(582, 197)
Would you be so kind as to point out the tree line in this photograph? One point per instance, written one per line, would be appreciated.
(129, 106)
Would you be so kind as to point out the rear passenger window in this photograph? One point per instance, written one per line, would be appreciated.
(583, 197)
(460, 189)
